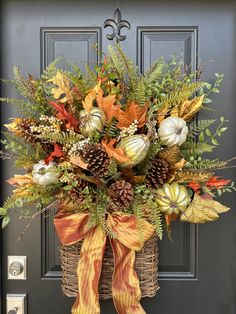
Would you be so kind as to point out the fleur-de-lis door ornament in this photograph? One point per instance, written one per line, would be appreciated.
(116, 24)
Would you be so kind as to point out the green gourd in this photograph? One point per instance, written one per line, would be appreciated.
(135, 147)
(91, 122)
(172, 198)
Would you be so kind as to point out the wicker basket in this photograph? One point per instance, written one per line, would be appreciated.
(146, 266)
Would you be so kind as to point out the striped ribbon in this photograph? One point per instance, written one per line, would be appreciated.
(126, 292)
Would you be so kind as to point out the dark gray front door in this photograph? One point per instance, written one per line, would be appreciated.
(198, 271)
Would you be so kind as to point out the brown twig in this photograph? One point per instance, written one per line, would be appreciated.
(5, 155)
(50, 206)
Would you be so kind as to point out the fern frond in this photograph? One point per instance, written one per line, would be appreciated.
(139, 213)
(200, 125)
(154, 74)
(139, 94)
(50, 70)
(174, 98)
(23, 86)
(194, 149)
(207, 164)
(62, 138)
(123, 66)
(90, 78)
(155, 217)
(193, 175)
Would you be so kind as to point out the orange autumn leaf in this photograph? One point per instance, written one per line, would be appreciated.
(217, 183)
(133, 112)
(57, 152)
(170, 218)
(112, 151)
(64, 115)
(107, 105)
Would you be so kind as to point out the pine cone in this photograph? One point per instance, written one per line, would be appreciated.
(25, 131)
(122, 193)
(158, 174)
(76, 193)
(97, 159)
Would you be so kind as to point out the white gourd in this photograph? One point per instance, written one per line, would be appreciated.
(173, 131)
(42, 173)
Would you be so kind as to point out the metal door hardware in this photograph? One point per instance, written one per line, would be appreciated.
(16, 304)
(17, 267)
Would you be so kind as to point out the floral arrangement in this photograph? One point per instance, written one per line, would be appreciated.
(121, 151)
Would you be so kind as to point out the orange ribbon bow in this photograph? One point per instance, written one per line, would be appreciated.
(126, 292)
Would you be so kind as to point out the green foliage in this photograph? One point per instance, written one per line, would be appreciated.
(172, 99)
(33, 91)
(146, 164)
(227, 188)
(195, 149)
(124, 67)
(140, 94)
(206, 164)
(209, 88)
(4, 216)
(154, 74)
(50, 70)
(34, 194)
(61, 138)
(111, 129)
(155, 217)
(90, 78)
(25, 154)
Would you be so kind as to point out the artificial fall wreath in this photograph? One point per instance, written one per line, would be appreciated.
(122, 154)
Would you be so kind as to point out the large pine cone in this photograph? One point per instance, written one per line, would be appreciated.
(97, 159)
(122, 193)
(158, 174)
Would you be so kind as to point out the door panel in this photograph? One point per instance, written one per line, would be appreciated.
(197, 271)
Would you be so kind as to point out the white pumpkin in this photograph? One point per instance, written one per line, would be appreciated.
(43, 175)
(173, 131)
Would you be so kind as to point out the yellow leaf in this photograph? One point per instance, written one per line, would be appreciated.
(62, 92)
(91, 96)
(14, 126)
(19, 180)
(203, 210)
(188, 108)
(161, 114)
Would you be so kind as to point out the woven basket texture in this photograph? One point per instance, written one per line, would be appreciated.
(146, 266)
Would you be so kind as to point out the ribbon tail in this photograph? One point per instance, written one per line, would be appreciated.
(125, 283)
(88, 272)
